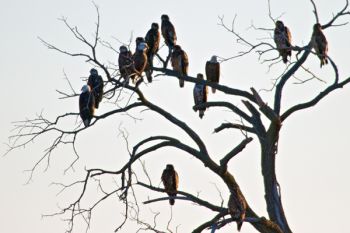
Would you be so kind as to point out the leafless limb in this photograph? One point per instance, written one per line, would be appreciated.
(315, 11)
(241, 40)
(343, 12)
(313, 76)
(187, 196)
(210, 223)
(219, 192)
(315, 100)
(234, 126)
(224, 161)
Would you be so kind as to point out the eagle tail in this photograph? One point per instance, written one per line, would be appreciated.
(97, 103)
(239, 225)
(171, 199)
(323, 61)
(181, 83)
(285, 58)
(87, 122)
(149, 76)
(201, 113)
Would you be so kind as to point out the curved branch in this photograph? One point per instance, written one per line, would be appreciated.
(190, 132)
(224, 161)
(228, 105)
(189, 196)
(344, 11)
(210, 223)
(220, 87)
(234, 126)
(285, 78)
(315, 100)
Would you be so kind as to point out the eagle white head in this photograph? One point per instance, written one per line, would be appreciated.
(86, 88)
(214, 59)
(142, 46)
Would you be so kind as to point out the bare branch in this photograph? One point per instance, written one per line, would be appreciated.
(315, 11)
(234, 126)
(224, 161)
(228, 105)
(210, 223)
(188, 196)
(315, 100)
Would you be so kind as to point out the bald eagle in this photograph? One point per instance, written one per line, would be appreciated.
(139, 40)
(86, 105)
(152, 39)
(170, 181)
(168, 32)
(95, 82)
(320, 44)
(200, 95)
(283, 40)
(237, 208)
(212, 71)
(140, 61)
(125, 63)
(179, 62)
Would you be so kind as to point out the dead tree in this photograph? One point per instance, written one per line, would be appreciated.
(266, 130)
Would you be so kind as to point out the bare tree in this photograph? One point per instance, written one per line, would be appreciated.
(261, 119)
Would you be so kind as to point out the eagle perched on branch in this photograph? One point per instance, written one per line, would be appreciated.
(95, 82)
(200, 92)
(170, 181)
(237, 207)
(283, 40)
(140, 61)
(168, 32)
(179, 62)
(125, 62)
(320, 44)
(86, 105)
(212, 71)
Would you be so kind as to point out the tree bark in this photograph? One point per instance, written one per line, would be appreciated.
(269, 147)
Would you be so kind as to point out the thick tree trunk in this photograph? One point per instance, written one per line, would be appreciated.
(269, 146)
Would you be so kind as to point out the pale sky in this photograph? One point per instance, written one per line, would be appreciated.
(313, 158)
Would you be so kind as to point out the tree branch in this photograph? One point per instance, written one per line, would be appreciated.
(315, 100)
(188, 196)
(224, 161)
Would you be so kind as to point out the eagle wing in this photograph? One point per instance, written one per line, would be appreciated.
(169, 180)
(175, 62)
(288, 37)
(175, 181)
(184, 63)
(199, 94)
(140, 61)
(86, 106)
(152, 39)
(168, 32)
(212, 71)
(125, 63)
(237, 208)
(322, 43)
(205, 93)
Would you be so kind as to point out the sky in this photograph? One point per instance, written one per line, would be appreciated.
(313, 157)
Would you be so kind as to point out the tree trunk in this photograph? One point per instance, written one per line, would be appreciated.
(269, 146)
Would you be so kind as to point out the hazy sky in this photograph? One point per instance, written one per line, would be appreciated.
(313, 158)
